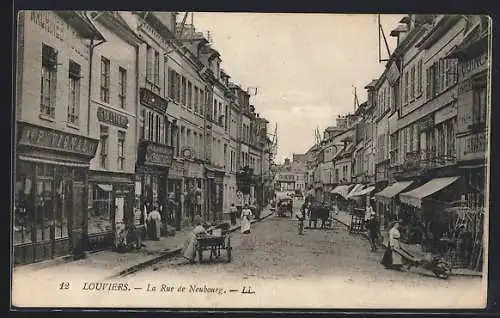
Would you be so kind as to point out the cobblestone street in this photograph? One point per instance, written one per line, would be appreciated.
(275, 251)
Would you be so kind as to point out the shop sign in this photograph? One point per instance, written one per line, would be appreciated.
(392, 74)
(153, 101)
(426, 123)
(195, 171)
(112, 118)
(157, 154)
(187, 152)
(177, 169)
(474, 65)
(41, 137)
(472, 146)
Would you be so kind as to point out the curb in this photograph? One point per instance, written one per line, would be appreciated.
(167, 254)
(385, 246)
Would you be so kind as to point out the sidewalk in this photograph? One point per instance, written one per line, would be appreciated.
(345, 219)
(117, 264)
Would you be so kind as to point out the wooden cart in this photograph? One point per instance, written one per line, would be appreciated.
(214, 244)
(357, 221)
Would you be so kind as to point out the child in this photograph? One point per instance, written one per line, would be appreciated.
(301, 217)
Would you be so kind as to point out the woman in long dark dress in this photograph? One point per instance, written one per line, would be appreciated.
(391, 258)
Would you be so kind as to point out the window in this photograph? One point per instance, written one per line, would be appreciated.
(74, 93)
(215, 111)
(450, 138)
(103, 155)
(406, 88)
(225, 156)
(150, 124)
(121, 153)
(105, 74)
(479, 104)
(184, 91)
(149, 63)
(412, 83)
(158, 130)
(48, 82)
(196, 100)
(157, 69)
(226, 118)
(419, 78)
(171, 83)
(142, 123)
(166, 131)
(219, 119)
(189, 95)
(202, 102)
(122, 85)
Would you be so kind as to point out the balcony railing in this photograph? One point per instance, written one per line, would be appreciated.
(426, 159)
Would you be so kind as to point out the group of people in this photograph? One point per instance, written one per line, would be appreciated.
(201, 228)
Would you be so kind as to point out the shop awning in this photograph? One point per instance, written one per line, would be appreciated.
(356, 188)
(391, 191)
(105, 187)
(415, 196)
(342, 190)
(362, 192)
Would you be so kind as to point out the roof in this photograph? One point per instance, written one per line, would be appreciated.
(371, 84)
(400, 28)
(82, 23)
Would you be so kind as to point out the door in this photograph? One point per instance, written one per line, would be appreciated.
(78, 208)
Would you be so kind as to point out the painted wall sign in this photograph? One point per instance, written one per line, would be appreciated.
(471, 147)
(113, 118)
(58, 28)
(41, 137)
(153, 101)
(474, 65)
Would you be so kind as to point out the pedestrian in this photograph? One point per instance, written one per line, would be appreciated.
(154, 220)
(301, 215)
(245, 219)
(373, 226)
(391, 258)
(232, 214)
(189, 250)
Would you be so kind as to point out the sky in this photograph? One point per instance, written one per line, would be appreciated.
(304, 65)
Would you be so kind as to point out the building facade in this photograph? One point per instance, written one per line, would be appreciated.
(54, 144)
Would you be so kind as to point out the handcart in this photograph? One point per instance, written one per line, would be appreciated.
(214, 243)
(416, 258)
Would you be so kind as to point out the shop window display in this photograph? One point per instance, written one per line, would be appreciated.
(100, 213)
(42, 204)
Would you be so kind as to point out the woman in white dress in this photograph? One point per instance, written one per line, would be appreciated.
(245, 219)
(391, 258)
(189, 251)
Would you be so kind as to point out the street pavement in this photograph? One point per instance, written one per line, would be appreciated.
(320, 269)
(275, 252)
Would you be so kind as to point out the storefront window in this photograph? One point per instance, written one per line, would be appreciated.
(41, 206)
(100, 215)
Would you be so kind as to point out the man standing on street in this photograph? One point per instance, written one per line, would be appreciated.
(373, 230)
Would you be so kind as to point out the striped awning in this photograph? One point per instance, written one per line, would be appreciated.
(415, 196)
(357, 187)
(391, 191)
(342, 190)
(362, 192)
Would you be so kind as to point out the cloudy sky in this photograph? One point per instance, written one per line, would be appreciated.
(304, 65)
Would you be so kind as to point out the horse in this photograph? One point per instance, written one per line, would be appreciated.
(318, 211)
